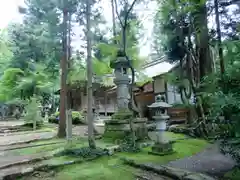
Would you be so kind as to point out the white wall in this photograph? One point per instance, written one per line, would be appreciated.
(110, 106)
(159, 85)
(173, 95)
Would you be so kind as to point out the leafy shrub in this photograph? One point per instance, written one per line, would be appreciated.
(84, 152)
(222, 97)
(77, 117)
(53, 119)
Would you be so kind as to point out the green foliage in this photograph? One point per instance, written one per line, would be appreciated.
(77, 117)
(5, 52)
(8, 82)
(233, 174)
(84, 152)
(222, 98)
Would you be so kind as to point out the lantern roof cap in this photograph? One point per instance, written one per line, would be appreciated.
(120, 61)
(160, 103)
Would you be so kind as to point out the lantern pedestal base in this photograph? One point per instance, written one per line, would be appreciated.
(162, 148)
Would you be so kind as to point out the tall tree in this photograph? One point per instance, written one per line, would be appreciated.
(91, 140)
(64, 71)
(219, 37)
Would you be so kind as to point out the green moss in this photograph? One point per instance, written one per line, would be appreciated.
(35, 150)
(108, 168)
(47, 148)
(105, 168)
(61, 144)
(113, 136)
(123, 114)
(234, 174)
(172, 135)
(182, 148)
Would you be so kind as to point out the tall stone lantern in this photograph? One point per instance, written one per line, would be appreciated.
(121, 66)
(120, 121)
(162, 145)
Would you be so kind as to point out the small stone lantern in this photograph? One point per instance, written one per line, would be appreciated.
(46, 110)
(162, 145)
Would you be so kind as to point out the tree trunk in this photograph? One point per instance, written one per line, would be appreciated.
(91, 140)
(63, 91)
(69, 96)
(219, 38)
(113, 23)
(200, 24)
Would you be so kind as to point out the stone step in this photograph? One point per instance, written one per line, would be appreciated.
(9, 161)
(15, 171)
(27, 145)
(146, 175)
(25, 138)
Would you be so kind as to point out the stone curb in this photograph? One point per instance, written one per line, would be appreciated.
(176, 174)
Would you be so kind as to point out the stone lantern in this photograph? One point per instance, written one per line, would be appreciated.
(162, 145)
(46, 112)
(120, 121)
(121, 66)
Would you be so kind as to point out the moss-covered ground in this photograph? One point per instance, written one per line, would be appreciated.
(108, 168)
(233, 174)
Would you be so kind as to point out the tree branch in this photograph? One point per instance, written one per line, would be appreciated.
(118, 15)
(129, 10)
(229, 3)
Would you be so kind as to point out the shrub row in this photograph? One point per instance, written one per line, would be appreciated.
(77, 118)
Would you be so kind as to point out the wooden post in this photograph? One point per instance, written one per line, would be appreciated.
(82, 96)
(105, 103)
(69, 125)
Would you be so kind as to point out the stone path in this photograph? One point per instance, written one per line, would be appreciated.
(210, 161)
(7, 161)
(11, 123)
(147, 175)
(19, 164)
(21, 138)
(13, 138)
(10, 140)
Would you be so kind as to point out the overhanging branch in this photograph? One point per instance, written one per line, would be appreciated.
(229, 3)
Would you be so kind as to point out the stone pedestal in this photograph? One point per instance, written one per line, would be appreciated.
(163, 148)
(162, 145)
(123, 127)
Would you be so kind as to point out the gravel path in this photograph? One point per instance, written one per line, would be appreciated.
(209, 161)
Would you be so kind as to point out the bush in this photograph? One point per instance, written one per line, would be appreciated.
(77, 118)
(53, 119)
